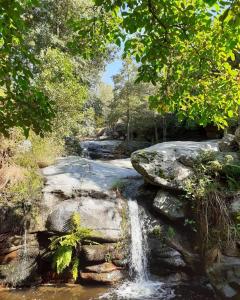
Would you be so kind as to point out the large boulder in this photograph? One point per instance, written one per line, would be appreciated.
(169, 164)
(102, 216)
(168, 205)
(80, 185)
(225, 277)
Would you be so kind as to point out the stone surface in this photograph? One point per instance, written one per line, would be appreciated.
(168, 205)
(106, 278)
(237, 136)
(88, 187)
(102, 253)
(228, 143)
(225, 277)
(107, 149)
(163, 259)
(101, 215)
(169, 164)
(102, 268)
(73, 173)
(235, 205)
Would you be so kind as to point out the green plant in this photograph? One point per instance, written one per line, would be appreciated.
(171, 232)
(118, 185)
(66, 248)
(207, 190)
(156, 231)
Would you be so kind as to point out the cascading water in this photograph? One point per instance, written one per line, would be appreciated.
(138, 262)
(141, 287)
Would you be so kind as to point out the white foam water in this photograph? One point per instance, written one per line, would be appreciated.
(141, 287)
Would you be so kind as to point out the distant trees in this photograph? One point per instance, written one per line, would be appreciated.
(186, 48)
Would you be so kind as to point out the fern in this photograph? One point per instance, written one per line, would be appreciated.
(65, 248)
(75, 268)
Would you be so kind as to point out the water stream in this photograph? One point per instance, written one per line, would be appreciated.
(140, 286)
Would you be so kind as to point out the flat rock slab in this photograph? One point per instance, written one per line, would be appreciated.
(106, 267)
(106, 278)
(169, 164)
(73, 173)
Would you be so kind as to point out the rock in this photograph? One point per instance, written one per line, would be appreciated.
(168, 205)
(103, 216)
(101, 253)
(106, 149)
(228, 143)
(106, 278)
(89, 184)
(169, 164)
(237, 136)
(164, 260)
(225, 277)
(235, 205)
(19, 264)
(102, 268)
(72, 174)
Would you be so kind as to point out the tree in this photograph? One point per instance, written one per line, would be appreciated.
(22, 103)
(130, 100)
(187, 48)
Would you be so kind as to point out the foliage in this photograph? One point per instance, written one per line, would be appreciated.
(22, 103)
(63, 86)
(209, 190)
(66, 247)
(187, 49)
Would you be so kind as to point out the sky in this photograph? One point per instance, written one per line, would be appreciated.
(111, 69)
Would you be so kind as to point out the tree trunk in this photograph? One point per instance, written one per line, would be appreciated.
(156, 129)
(164, 128)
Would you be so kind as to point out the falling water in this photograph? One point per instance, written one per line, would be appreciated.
(141, 287)
(138, 262)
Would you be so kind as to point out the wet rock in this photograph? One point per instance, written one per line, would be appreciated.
(19, 261)
(228, 143)
(169, 164)
(102, 268)
(106, 278)
(101, 253)
(165, 260)
(168, 205)
(225, 277)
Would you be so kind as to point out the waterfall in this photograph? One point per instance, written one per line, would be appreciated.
(138, 262)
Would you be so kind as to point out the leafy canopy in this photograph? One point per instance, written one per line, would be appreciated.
(22, 104)
(189, 49)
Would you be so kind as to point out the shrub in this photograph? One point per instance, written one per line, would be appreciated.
(208, 190)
